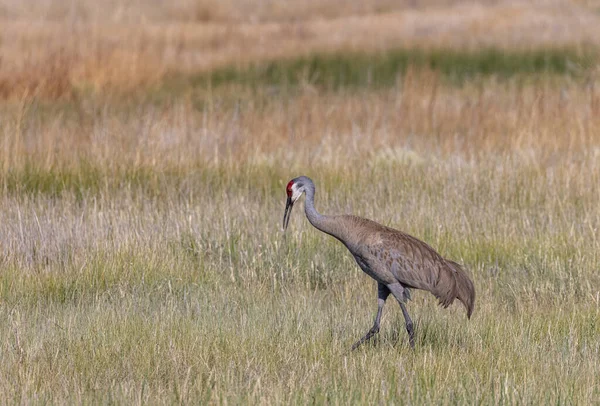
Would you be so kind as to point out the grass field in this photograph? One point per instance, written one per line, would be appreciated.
(142, 258)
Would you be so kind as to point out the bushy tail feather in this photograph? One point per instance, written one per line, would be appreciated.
(464, 288)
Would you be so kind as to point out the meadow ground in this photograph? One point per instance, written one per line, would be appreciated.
(142, 187)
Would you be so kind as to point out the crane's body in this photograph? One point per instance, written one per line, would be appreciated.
(396, 260)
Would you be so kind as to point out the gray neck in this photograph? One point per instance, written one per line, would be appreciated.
(324, 223)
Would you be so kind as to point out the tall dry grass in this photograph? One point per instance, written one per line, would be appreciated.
(548, 117)
(58, 50)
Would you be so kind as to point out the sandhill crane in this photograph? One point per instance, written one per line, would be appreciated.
(397, 261)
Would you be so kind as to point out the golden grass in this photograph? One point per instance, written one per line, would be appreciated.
(547, 118)
(53, 57)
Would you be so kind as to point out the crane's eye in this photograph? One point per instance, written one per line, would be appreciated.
(289, 188)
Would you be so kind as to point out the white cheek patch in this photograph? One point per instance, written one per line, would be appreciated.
(295, 193)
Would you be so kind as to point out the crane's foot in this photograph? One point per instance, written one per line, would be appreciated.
(372, 332)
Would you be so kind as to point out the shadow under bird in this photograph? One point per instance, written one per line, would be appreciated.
(397, 261)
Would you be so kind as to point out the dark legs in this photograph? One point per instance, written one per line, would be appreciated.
(401, 295)
(382, 293)
(409, 325)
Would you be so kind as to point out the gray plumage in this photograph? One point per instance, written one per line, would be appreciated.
(396, 260)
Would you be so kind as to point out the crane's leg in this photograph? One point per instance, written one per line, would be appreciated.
(382, 293)
(401, 294)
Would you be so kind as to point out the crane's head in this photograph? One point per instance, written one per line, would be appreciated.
(294, 190)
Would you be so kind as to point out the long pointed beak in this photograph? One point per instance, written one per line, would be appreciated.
(288, 212)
